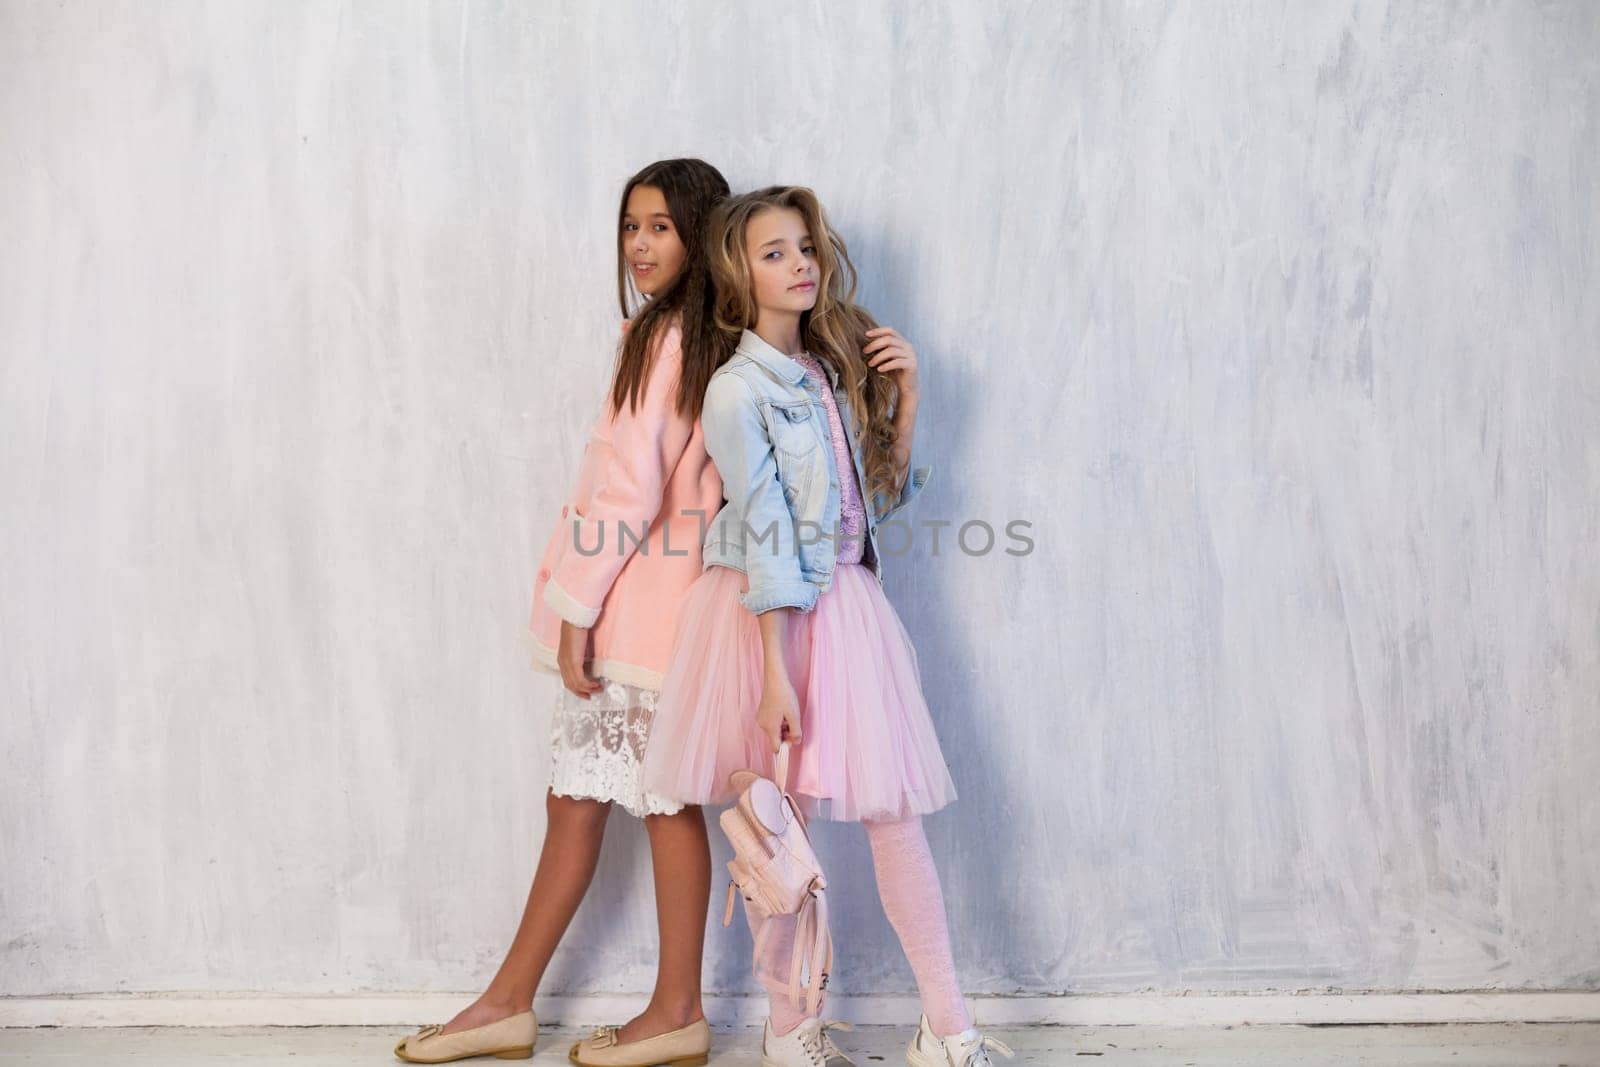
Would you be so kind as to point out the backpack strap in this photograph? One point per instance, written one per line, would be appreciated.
(804, 921)
(781, 767)
(813, 949)
(822, 948)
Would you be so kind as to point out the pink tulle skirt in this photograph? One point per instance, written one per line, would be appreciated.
(868, 748)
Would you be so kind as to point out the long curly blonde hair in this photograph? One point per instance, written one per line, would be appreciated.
(833, 331)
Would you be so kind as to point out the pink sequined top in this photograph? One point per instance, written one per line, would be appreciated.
(852, 511)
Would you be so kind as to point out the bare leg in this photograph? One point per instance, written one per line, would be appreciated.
(681, 857)
(573, 834)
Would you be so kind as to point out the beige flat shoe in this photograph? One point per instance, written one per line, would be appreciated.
(687, 1046)
(511, 1038)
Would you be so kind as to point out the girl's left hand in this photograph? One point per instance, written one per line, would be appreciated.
(889, 353)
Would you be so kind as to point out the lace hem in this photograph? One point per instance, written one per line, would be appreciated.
(597, 747)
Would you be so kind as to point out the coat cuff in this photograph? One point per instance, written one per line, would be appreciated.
(560, 601)
(802, 596)
(908, 493)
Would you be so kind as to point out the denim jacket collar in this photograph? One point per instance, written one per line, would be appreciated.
(778, 364)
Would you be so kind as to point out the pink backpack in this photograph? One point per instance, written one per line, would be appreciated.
(776, 869)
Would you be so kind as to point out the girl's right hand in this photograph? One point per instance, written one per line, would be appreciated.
(779, 708)
(570, 659)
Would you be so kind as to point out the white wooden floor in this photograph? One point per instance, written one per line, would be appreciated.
(1475, 1045)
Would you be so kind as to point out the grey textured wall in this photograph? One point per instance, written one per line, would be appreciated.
(1277, 319)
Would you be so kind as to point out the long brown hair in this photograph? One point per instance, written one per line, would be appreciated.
(834, 330)
(691, 187)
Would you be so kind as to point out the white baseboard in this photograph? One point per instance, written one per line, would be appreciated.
(390, 1009)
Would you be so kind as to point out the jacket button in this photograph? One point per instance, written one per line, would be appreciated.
(544, 575)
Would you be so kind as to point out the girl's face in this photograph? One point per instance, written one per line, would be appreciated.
(650, 240)
(783, 261)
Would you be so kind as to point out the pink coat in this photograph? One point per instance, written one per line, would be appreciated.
(642, 469)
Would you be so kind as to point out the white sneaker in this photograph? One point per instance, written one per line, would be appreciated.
(969, 1048)
(807, 1045)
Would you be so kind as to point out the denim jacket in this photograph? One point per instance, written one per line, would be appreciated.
(766, 429)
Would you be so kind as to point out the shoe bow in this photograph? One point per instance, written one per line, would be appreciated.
(603, 1037)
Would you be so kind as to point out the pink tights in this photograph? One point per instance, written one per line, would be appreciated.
(908, 885)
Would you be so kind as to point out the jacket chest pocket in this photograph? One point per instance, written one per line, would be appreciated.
(793, 427)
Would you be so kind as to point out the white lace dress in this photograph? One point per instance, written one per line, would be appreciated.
(597, 747)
